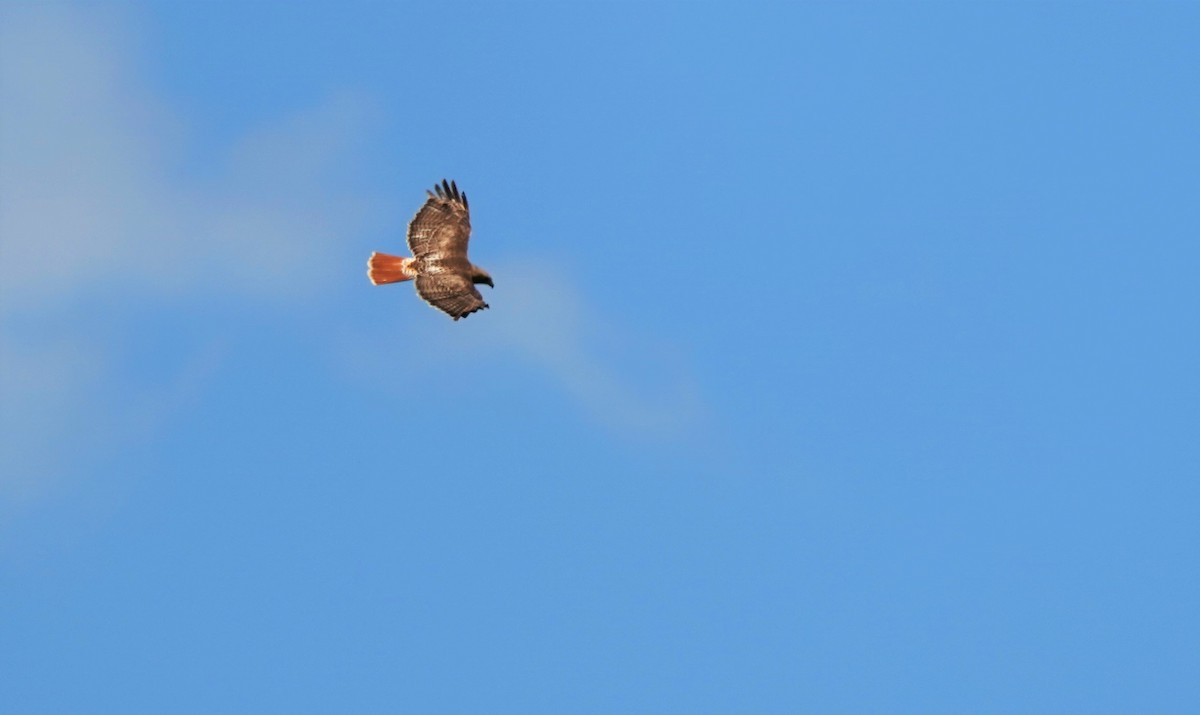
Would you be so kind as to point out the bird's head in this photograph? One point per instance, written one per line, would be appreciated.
(478, 275)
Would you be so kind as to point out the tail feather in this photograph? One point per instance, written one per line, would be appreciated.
(384, 268)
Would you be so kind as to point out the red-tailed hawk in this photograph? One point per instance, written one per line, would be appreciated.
(437, 237)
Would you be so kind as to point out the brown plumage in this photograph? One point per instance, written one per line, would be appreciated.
(437, 237)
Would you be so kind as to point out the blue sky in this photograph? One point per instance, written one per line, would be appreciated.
(842, 358)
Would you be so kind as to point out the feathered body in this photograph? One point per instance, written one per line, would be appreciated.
(437, 236)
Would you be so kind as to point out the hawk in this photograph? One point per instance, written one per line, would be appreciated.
(437, 237)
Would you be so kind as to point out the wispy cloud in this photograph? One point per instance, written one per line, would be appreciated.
(91, 188)
(634, 385)
(630, 383)
(96, 208)
(100, 222)
(42, 389)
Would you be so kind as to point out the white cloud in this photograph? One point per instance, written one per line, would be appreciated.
(98, 216)
(87, 170)
(545, 321)
(42, 388)
(630, 384)
(96, 209)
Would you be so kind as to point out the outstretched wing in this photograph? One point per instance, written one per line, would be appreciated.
(451, 293)
(440, 230)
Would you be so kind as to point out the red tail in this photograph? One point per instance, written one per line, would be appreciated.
(383, 268)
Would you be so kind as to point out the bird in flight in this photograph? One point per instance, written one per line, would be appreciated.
(437, 237)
